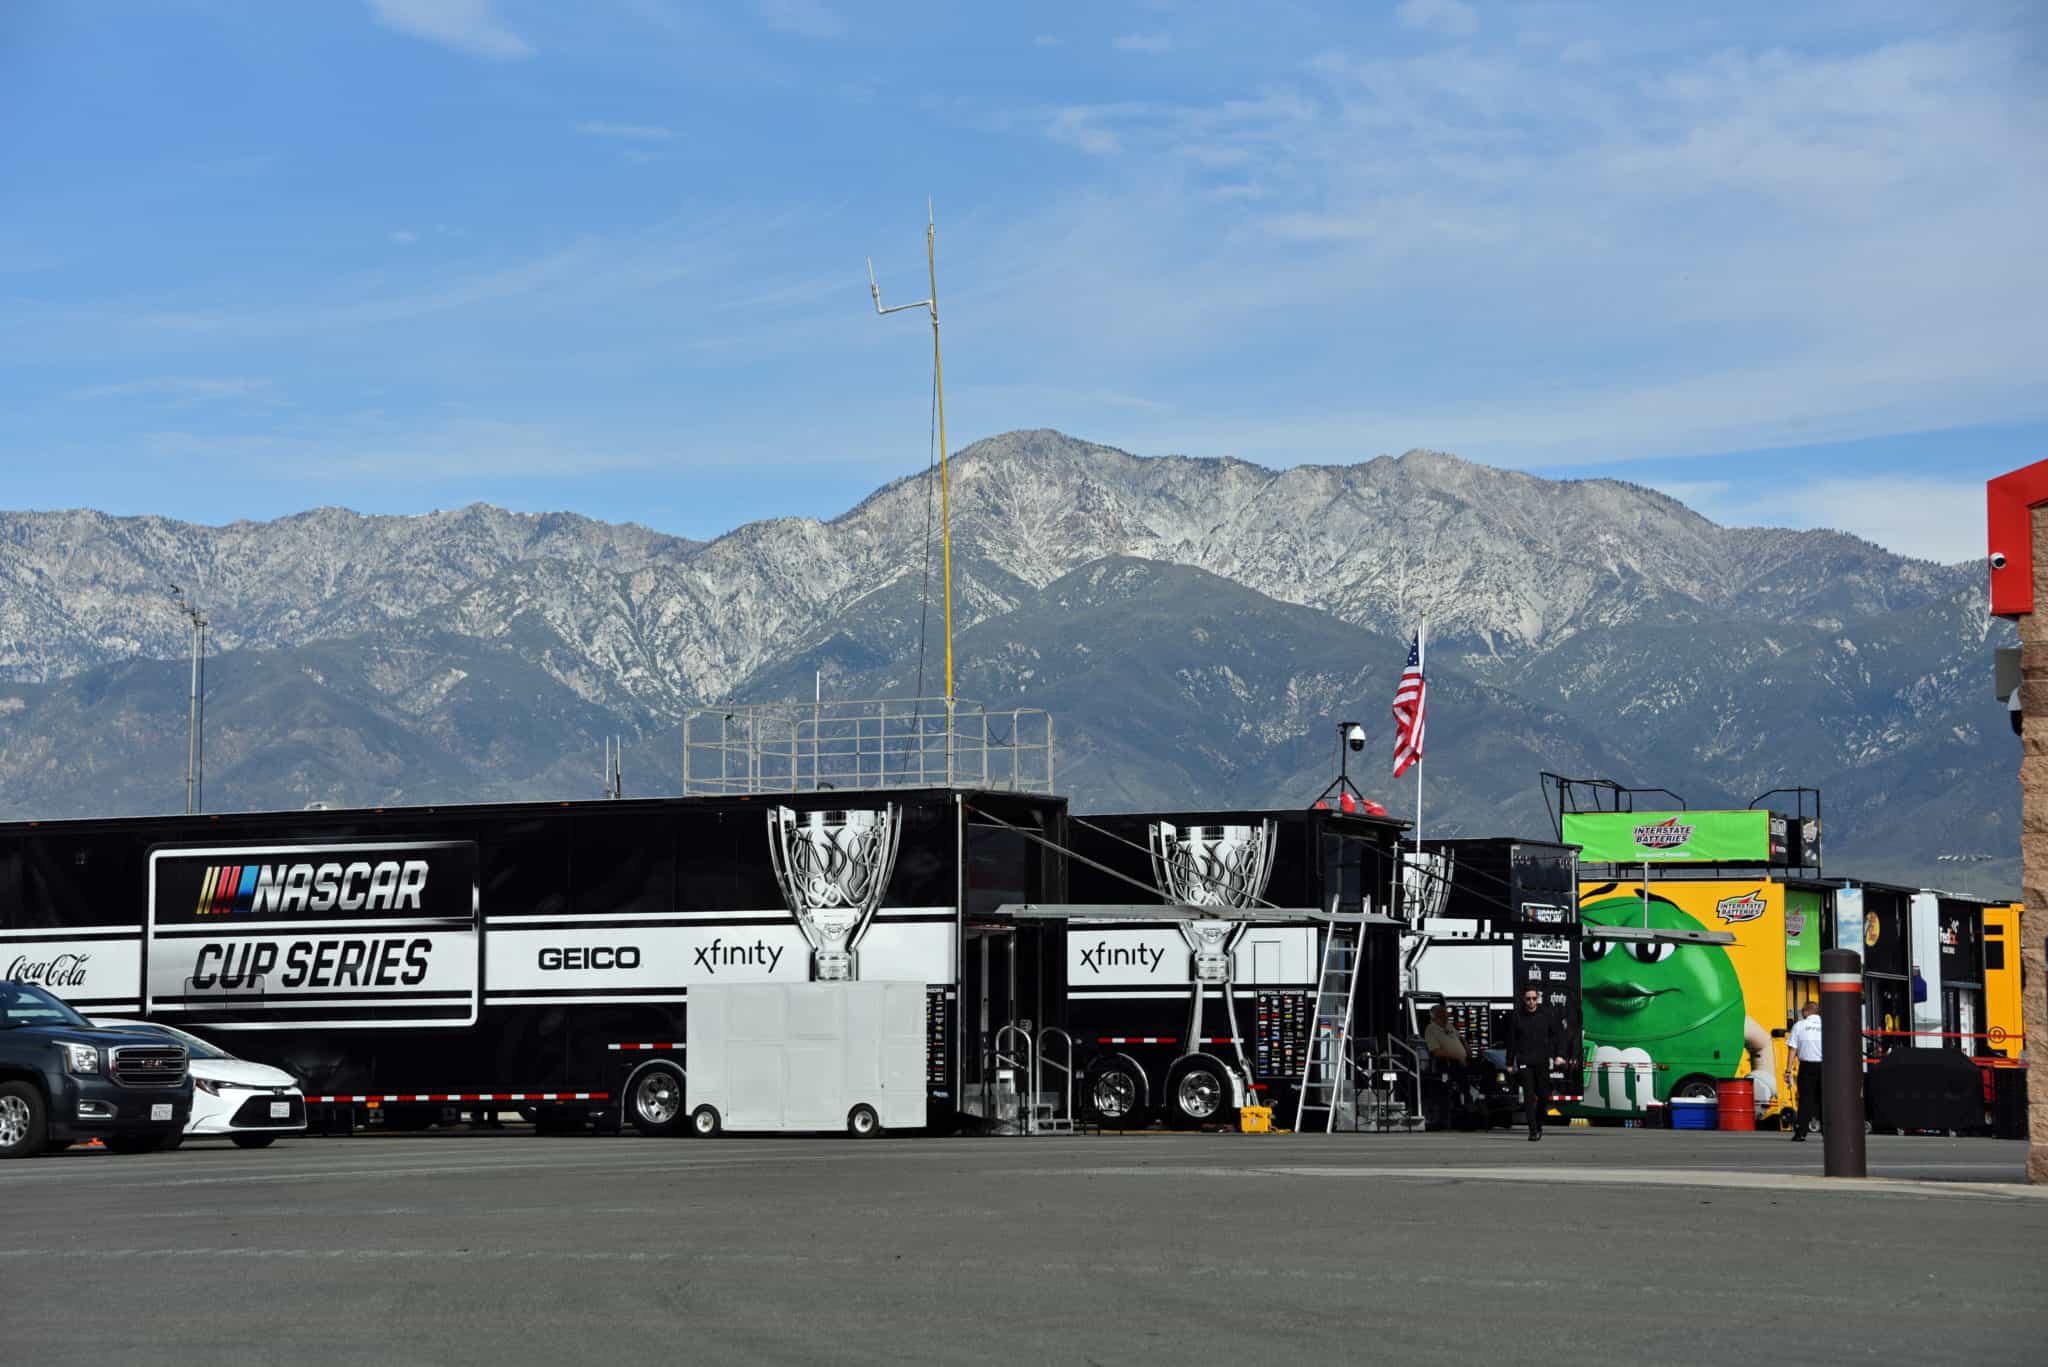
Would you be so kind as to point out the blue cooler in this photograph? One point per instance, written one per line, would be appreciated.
(1693, 1113)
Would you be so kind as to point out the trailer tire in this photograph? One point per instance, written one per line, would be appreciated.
(1697, 1087)
(1197, 1093)
(654, 1099)
(1113, 1093)
(24, 1122)
(863, 1123)
(705, 1123)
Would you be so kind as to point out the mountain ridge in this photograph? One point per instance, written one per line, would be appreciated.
(1642, 635)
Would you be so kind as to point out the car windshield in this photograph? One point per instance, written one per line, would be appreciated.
(194, 1046)
(26, 1004)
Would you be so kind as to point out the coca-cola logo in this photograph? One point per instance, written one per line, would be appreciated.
(64, 970)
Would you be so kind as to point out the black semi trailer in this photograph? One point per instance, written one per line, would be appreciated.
(529, 955)
(1153, 1006)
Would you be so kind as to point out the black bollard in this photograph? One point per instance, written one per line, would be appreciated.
(1841, 1051)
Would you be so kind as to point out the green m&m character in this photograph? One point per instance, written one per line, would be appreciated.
(1659, 1013)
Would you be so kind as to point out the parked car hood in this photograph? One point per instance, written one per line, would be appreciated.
(101, 1037)
(241, 1072)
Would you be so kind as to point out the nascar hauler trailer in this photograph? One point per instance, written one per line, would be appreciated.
(536, 955)
(1194, 948)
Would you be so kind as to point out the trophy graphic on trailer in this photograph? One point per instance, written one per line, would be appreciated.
(833, 868)
(1227, 868)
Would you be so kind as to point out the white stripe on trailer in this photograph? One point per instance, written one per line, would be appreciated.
(615, 1048)
(459, 1096)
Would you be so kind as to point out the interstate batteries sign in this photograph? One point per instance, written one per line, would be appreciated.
(366, 934)
(1674, 837)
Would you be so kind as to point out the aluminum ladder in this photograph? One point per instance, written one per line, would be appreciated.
(1326, 1068)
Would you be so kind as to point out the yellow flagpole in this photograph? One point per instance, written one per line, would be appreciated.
(945, 485)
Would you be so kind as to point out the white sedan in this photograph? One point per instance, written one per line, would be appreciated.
(250, 1103)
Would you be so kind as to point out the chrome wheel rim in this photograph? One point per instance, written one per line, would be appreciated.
(1115, 1094)
(657, 1099)
(13, 1120)
(704, 1122)
(863, 1121)
(1199, 1094)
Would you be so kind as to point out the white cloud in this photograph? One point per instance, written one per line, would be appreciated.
(1729, 251)
(631, 132)
(1082, 126)
(1452, 18)
(1928, 519)
(370, 447)
(181, 389)
(405, 237)
(805, 18)
(1045, 40)
(465, 25)
(1143, 42)
(1582, 52)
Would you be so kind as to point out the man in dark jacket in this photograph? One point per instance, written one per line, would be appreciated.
(1536, 1044)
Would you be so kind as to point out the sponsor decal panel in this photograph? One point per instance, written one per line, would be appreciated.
(1158, 955)
(650, 960)
(1738, 837)
(1749, 906)
(1668, 834)
(95, 970)
(384, 932)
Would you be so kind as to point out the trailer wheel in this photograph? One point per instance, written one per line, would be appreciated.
(23, 1127)
(656, 1104)
(704, 1122)
(1698, 1087)
(862, 1122)
(1113, 1093)
(1197, 1092)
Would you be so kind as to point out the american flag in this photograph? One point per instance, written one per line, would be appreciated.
(1409, 696)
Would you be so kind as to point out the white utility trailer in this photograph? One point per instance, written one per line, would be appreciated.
(807, 1057)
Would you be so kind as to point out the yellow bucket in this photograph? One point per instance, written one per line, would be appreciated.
(1255, 1119)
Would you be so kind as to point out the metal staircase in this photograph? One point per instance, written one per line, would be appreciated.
(1326, 1073)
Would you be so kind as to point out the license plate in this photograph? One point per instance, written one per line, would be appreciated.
(160, 1111)
(280, 1110)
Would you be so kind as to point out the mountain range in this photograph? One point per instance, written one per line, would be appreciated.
(1195, 626)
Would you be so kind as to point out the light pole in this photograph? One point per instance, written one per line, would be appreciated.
(194, 746)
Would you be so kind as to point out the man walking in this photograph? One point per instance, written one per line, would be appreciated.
(1447, 1060)
(1536, 1044)
(1805, 1045)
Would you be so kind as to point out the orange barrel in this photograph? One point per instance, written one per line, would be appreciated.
(1736, 1098)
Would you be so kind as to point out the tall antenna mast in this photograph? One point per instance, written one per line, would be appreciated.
(939, 392)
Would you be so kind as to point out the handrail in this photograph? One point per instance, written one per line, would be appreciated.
(1028, 1065)
(1066, 1069)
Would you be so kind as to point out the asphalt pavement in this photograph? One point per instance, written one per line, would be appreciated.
(1593, 1246)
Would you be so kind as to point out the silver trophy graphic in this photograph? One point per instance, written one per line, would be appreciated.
(1225, 867)
(833, 868)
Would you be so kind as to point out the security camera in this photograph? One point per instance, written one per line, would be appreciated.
(1354, 736)
(1998, 560)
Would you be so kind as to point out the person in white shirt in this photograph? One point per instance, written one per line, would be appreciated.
(1804, 1045)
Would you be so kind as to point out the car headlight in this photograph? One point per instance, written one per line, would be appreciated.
(210, 1087)
(80, 1058)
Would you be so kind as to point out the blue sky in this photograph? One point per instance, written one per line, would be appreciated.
(1782, 260)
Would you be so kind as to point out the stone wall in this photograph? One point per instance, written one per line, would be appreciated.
(2034, 851)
